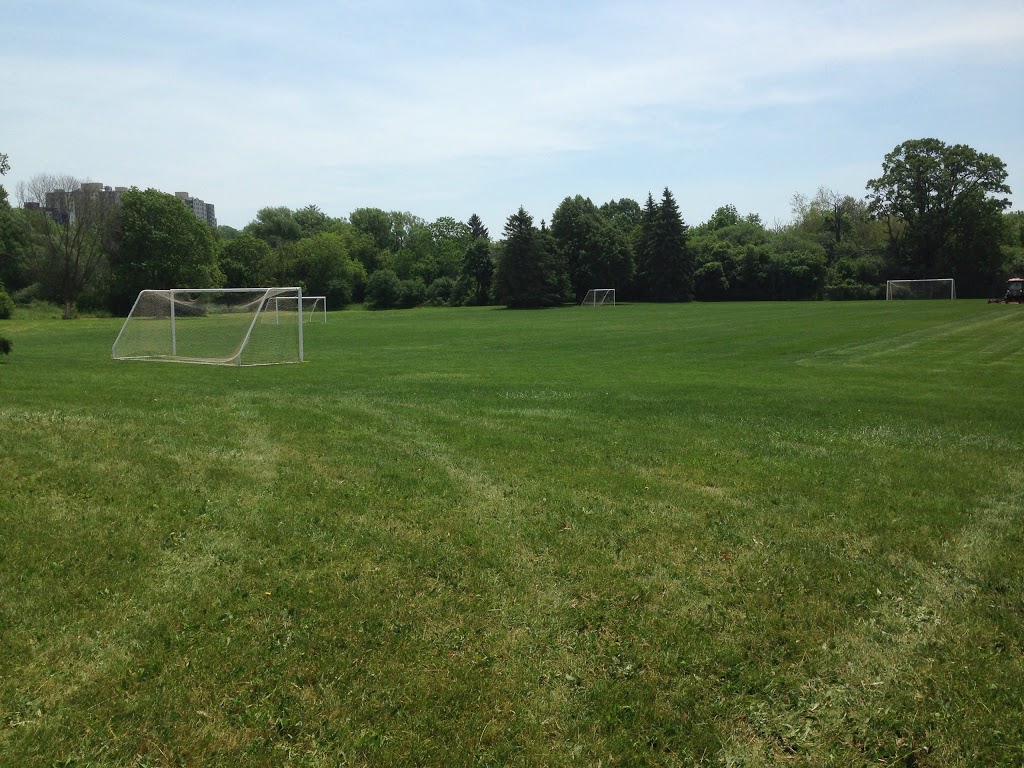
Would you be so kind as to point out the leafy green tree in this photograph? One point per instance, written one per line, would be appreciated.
(225, 233)
(797, 268)
(436, 250)
(15, 269)
(6, 304)
(596, 252)
(245, 261)
(529, 272)
(942, 204)
(377, 224)
(6, 255)
(321, 264)
(71, 236)
(624, 213)
(276, 226)
(442, 292)
(383, 290)
(312, 221)
(1012, 245)
(161, 244)
(665, 264)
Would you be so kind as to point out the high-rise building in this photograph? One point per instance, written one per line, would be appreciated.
(60, 203)
(203, 211)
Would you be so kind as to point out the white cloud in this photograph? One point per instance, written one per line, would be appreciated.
(256, 98)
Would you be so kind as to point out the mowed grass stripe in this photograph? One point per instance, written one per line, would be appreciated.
(667, 535)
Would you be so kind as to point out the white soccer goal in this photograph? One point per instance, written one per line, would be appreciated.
(218, 326)
(597, 297)
(314, 309)
(938, 288)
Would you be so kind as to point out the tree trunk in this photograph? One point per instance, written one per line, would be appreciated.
(69, 310)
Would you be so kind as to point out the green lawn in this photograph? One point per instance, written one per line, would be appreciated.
(707, 534)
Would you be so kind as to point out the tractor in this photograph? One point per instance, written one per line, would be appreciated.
(1014, 292)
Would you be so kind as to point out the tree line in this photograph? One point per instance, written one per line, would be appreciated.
(936, 210)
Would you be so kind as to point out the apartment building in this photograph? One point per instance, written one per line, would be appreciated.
(60, 204)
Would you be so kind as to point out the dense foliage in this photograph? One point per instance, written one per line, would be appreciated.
(944, 214)
(935, 211)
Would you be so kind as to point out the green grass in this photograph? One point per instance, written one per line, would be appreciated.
(743, 534)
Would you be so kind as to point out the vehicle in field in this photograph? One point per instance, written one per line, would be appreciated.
(1014, 292)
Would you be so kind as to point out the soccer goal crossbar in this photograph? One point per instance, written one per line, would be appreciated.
(935, 288)
(597, 297)
(216, 326)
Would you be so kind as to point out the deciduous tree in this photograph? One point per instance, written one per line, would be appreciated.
(72, 228)
(596, 252)
(942, 204)
(161, 244)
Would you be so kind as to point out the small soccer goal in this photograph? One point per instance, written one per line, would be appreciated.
(314, 309)
(938, 288)
(599, 297)
(216, 326)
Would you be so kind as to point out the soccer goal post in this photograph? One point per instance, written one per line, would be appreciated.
(216, 326)
(937, 288)
(314, 309)
(597, 297)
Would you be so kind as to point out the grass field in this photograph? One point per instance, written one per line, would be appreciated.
(719, 534)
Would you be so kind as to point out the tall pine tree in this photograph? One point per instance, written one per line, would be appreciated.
(665, 263)
(529, 272)
(477, 228)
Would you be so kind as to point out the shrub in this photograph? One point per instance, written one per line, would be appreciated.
(382, 290)
(411, 293)
(851, 291)
(27, 295)
(6, 305)
(440, 292)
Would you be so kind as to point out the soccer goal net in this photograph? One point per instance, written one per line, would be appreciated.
(597, 297)
(939, 288)
(218, 326)
(282, 308)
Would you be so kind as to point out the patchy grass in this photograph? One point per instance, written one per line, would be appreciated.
(751, 534)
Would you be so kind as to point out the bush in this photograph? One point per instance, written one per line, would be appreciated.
(851, 291)
(382, 290)
(27, 295)
(411, 293)
(6, 305)
(440, 292)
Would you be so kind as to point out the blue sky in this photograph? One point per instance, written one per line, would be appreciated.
(451, 108)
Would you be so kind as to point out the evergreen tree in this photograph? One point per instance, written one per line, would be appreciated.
(663, 256)
(645, 248)
(478, 271)
(529, 272)
(477, 228)
(673, 258)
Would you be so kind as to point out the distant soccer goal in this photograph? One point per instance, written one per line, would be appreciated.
(938, 288)
(217, 326)
(314, 309)
(598, 297)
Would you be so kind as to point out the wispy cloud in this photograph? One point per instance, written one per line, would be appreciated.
(250, 96)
